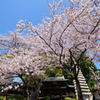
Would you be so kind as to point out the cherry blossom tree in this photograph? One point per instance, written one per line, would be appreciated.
(25, 67)
(24, 59)
(70, 33)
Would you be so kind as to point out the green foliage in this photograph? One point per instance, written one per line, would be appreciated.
(2, 97)
(41, 53)
(10, 57)
(17, 97)
(67, 98)
(68, 74)
(46, 98)
(85, 64)
(91, 82)
(53, 71)
(1, 61)
(98, 72)
(32, 81)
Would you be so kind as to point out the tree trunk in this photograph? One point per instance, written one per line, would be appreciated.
(6, 96)
(28, 97)
(28, 94)
(31, 95)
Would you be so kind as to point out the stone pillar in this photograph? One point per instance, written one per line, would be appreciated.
(87, 95)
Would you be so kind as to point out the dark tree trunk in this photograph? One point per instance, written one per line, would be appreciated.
(31, 95)
(28, 94)
(6, 96)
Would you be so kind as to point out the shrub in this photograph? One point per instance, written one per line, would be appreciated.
(67, 98)
(46, 98)
(2, 97)
(17, 97)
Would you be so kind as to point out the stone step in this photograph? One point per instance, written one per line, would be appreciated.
(80, 73)
(84, 87)
(80, 76)
(85, 90)
(83, 84)
(81, 79)
(86, 93)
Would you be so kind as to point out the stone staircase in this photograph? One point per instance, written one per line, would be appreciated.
(87, 95)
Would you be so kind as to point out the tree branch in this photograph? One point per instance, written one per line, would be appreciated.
(46, 43)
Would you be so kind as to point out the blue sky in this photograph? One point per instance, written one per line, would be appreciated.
(11, 11)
